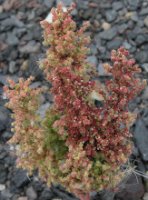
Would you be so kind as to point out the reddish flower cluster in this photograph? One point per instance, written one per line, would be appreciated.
(24, 102)
(83, 121)
(79, 118)
(104, 129)
(75, 134)
(116, 118)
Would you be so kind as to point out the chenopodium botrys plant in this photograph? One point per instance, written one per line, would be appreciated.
(76, 144)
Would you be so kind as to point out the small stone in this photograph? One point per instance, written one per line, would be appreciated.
(132, 189)
(135, 151)
(74, 12)
(145, 67)
(60, 193)
(30, 47)
(141, 137)
(108, 34)
(115, 43)
(31, 194)
(22, 198)
(12, 67)
(19, 32)
(145, 197)
(47, 194)
(4, 118)
(92, 60)
(1, 9)
(24, 66)
(131, 35)
(145, 94)
(20, 178)
(135, 17)
(33, 32)
(37, 185)
(117, 5)
(145, 46)
(101, 70)
(140, 23)
(12, 39)
(97, 40)
(65, 2)
(3, 15)
(127, 45)
(129, 14)
(56, 199)
(141, 38)
(13, 55)
(145, 3)
(122, 28)
(93, 49)
(33, 68)
(93, 194)
(2, 187)
(15, 197)
(31, 15)
(146, 21)
(6, 195)
(142, 57)
(48, 3)
(82, 6)
(35, 85)
(42, 110)
(87, 14)
(122, 12)
(3, 45)
(106, 5)
(3, 153)
(106, 195)
(130, 24)
(111, 15)
(96, 24)
(11, 22)
(133, 5)
(106, 26)
(6, 136)
(144, 11)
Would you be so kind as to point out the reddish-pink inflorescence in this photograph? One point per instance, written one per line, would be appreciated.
(96, 139)
(104, 129)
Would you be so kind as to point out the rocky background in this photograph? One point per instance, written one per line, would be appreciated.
(113, 23)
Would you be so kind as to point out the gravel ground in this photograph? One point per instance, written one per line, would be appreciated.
(113, 23)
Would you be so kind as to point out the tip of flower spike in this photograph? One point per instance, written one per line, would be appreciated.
(49, 17)
(60, 5)
(117, 54)
(72, 7)
(123, 51)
